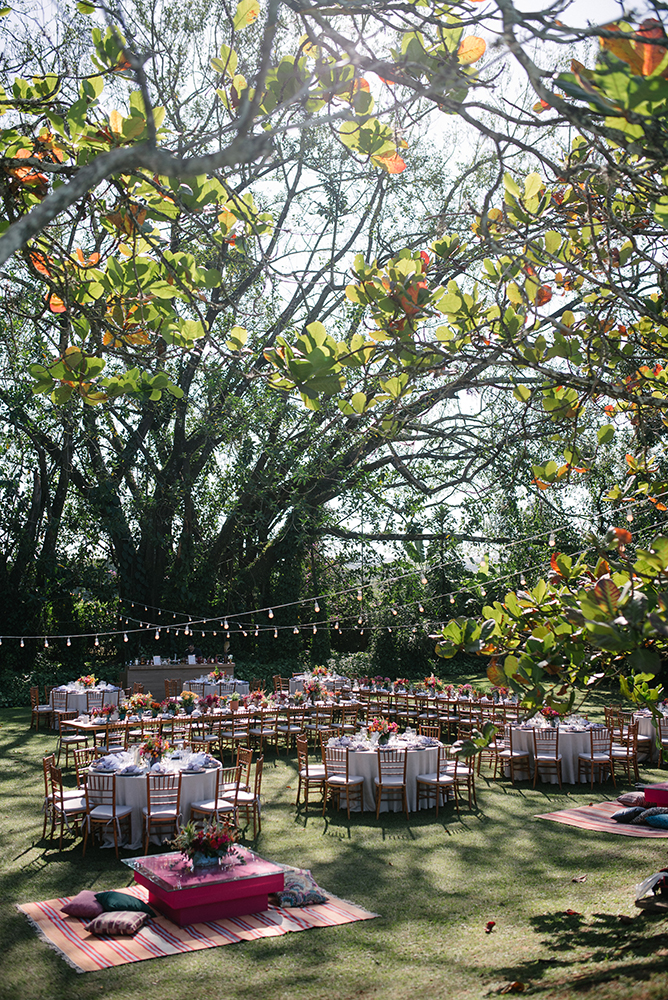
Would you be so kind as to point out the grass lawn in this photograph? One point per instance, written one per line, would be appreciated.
(434, 884)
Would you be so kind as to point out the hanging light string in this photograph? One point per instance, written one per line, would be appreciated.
(246, 627)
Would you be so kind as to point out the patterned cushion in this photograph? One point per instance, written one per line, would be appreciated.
(84, 904)
(632, 799)
(646, 813)
(627, 815)
(112, 901)
(117, 923)
(660, 821)
(300, 889)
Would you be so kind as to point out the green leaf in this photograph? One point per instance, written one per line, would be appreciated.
(605, 434)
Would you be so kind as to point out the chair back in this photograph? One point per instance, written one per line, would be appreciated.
(434, 732)
(546, 742)
(302, 754)
(101, 791)
(336, 761)
(280, 684)
(163, 791)
(34, 697)
(94, 699)
(173, 687)
(325, 736)
(137, 688)
(631, 738)
(83, 758)
(226, 687)
(47, 762)
(197, 687)
(116, 735)
(601, 740)
(257, 684)
(56, 782)
(392, 765)
(259, 764)
(663, 728)
(59, 699)
(322, 717)
(349, 715)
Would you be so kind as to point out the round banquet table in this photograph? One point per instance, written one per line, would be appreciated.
(131, 791)
(364, 763)
(571, 744)
(329, 683)
(76, 697)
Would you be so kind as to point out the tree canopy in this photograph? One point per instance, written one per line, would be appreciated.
(247, 299)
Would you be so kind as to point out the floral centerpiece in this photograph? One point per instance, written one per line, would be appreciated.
(465, 690)
(216, 675)
(154, 747)
(384, 729)
(208, 702)
(381, 682)
(169, 706)
(104, 711)
(401, 684)
(298, 698)
(87, 680)
(156, 708)
(206, 846)
(499, 693)
(320, 672)
(188, 700)
(430, 682)
(550, 714)
(313, 689)
(139, 703)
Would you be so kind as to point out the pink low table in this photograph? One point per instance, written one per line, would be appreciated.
(187, 897)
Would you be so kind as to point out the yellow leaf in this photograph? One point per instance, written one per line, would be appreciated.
(247, 12)
(471, 49)
(116, 122)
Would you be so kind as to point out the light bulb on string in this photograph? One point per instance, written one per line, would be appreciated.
(69, 641)
(483, 591)
(157, 634)
(359, 620)
(125, 637)
(420, 609)
(337, 627)
(46, 643)
(629, 518)
(452, 598)
(227, 635)
(361, 631)
(552, 540)
(394, 612)
(244, 633)
(225, 625)
(414, 629)
(423, 580)
(314, 630)
(271, 613)
(389, 629)
(97, 640)
(275, 633)
(177, 632)
(295, 631)
(257, 631)
(317, 607)
(215, 633)
(202, 634)
(523, 580)
(145, 608)
(359, 594)
(22, 643)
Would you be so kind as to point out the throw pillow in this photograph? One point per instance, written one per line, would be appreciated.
(627, 815)
(660, 821)
(646, 813)
(117, 923)
(300, 889)
(113, 900)
(632, 799)
(84, 904)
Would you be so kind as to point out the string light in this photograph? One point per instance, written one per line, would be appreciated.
(452, 598)
(314, 630)
(423, 580)
(317, 606)
(46, 642)
(275, 633)
(389, 629)
(157, 634)
(271, 613)
(629, 518)
(225, 625)
(295, 631)
(552, 540)
(394, 611)
(421, 609)
(97, 641)
(125, 637)
(523, 580)
(215, 633)
(202, 634)
(483, 591)
(244, 634)
(359, 594)
(257, 631)
(22, 643)
(359, 620)
(227, 635)
(337, 627)
(69, 641)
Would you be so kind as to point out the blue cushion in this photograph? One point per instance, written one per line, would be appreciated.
(660, 821)
(646, 813)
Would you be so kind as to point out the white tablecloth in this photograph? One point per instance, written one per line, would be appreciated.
(131, 791)
(241, 687)
(570, 746)
(76, 699)
(364, 763)
(332, 683)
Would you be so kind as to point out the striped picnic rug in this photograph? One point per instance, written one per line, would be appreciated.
(597, 817)
(160, 937)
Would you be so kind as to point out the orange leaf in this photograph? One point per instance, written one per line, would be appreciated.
(39, 262)
(623, 536)
(471, 49)
(56, 304)
(652, 54)
(543, 295)
(540, 484)
(391, 162)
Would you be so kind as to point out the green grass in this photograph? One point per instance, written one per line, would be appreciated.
(435, 885)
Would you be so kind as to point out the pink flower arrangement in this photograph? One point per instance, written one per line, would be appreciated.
(383, 727)
(87, 680)
(104, 711)
(208, 702)
(154, 746)
(549, 713)
(213, 840)
(320, 672)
